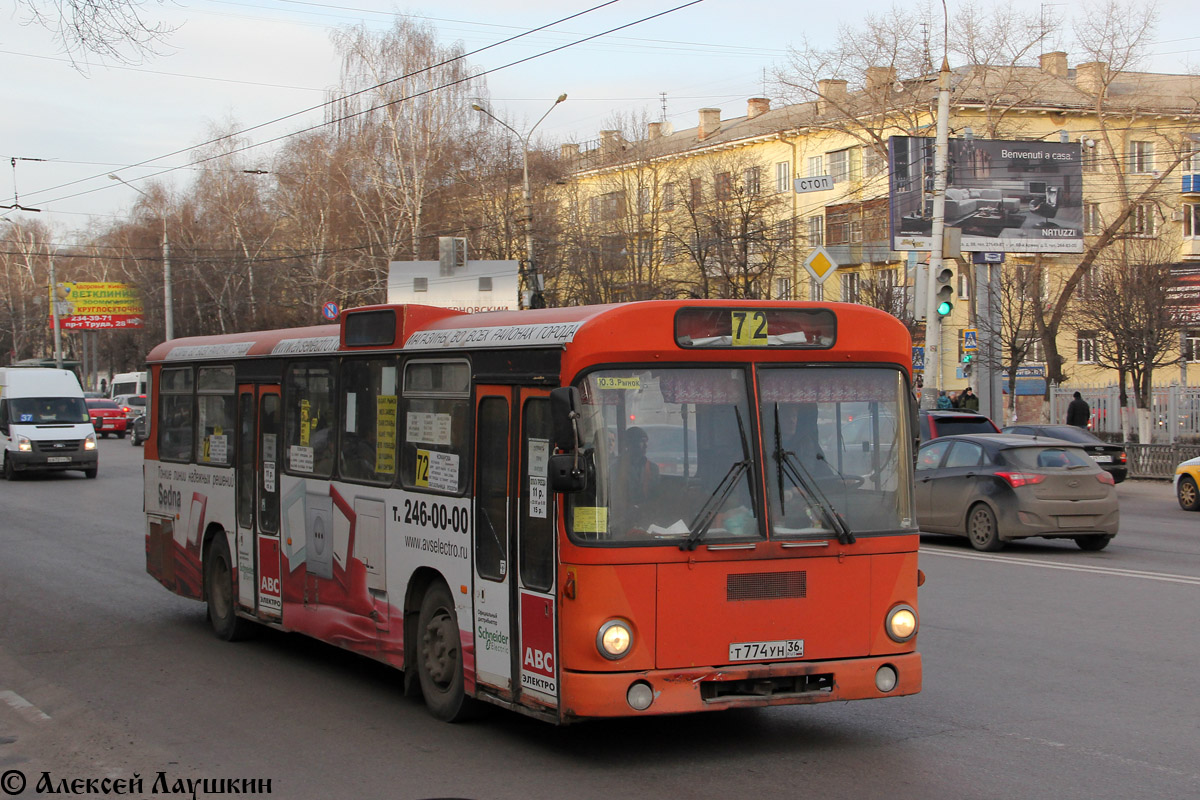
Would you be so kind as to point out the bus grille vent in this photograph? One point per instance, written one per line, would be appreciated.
(766, 585)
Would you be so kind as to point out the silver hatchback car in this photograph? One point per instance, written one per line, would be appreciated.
(993, 488)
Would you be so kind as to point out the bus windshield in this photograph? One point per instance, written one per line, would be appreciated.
(838, 450)
(670, 451)
(672, 455)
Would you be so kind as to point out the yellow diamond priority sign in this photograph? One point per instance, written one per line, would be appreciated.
(820, 264)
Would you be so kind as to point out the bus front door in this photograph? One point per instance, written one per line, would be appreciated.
(515, 611)
(259, 418)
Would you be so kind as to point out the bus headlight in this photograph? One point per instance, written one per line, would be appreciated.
(23, 444)
(901, 623)
(90, 442)
(614, 639)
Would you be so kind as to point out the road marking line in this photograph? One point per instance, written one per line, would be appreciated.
(1166, 577)
(23, 707)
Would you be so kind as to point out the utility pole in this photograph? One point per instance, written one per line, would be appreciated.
(533, 279)
(54, 314)
(933, 323)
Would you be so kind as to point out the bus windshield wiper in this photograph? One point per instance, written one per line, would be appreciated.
(712, 506)
(788, 463)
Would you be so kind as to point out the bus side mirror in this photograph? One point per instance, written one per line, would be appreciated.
(568, 473)
(564, 414)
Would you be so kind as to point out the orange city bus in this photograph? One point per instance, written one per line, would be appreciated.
(645, 508)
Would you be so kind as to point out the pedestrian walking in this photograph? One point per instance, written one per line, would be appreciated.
(968, 400)
(1078, 412)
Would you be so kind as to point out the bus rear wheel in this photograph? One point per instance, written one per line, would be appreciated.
(439, 656)
(218, 588)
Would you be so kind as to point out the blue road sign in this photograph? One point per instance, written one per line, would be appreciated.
(330, 311)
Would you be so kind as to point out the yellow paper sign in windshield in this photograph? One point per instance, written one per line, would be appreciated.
(749, 328)
(611, 382)
(590, 519)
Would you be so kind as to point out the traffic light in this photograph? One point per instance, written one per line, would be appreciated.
(945, 291)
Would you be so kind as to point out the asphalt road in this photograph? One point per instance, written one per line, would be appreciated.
(1049, 672)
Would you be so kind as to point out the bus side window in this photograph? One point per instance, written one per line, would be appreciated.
(434, 426)
(309, 430)
(368, 419)
(215, 404)
(175, 422)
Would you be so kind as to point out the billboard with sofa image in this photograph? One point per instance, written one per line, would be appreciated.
(1005, 196)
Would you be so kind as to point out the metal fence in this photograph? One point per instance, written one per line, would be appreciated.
(1157, 460)
(1175, 412)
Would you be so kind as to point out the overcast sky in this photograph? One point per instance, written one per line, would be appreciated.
(247, 62)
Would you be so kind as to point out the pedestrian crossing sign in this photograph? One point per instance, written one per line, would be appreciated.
(970, 340)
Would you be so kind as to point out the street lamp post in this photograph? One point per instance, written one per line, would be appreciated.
(168, 314)
(536, 299)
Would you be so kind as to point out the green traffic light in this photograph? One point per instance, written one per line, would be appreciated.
(944, 308)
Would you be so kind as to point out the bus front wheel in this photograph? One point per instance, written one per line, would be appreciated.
(439, 656)
(218, 588)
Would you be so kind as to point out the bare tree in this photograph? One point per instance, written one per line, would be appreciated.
(1126, 315)
(1014, 336)
(115, 29)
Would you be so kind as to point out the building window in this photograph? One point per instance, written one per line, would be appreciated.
(816, 231)
(1090, 156)
(723, 186)
(816, 292)
(816, 166)
(667, 247)
(594, 209)
(850, 287)
(1085, 352)
(669, 197)
(874, 162)
(1092, 221)
(964, 286)
(420, 284)
(1035, 353)
(783, 288)
(783, 176)
(841, 165)
(751, 178)
(612, 205)
(1191, 345)
(1141, 157)
(1141, 221)
(855, 231)
(783, 234)
(644, 200)
(1191, 220)
(1089, 283)
(697, 192)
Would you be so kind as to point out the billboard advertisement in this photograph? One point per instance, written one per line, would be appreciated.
(1183, 293)
(1006, 196)
(89, 306)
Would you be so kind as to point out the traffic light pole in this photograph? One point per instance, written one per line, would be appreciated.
(933, 322)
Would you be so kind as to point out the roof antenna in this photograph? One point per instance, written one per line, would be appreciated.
(663, 97)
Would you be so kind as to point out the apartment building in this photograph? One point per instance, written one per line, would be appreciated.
(713, 210)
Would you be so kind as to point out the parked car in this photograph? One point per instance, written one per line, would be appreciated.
(137, 430)
(107, 417)
(134, 405)
(1187, 478)
(1110, 457)
(993, 488)
(935, 423)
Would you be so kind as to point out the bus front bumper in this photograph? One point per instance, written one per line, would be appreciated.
(680, 691)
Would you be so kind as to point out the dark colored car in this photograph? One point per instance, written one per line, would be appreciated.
(935, 423)
(137, 430)
(993, 488)
(1110, 457)
(107, 417)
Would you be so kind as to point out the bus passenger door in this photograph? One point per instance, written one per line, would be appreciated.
(259, 419)
(494, 653)
(537, 628)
